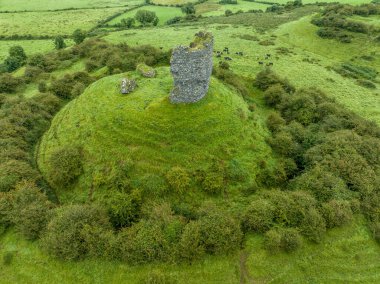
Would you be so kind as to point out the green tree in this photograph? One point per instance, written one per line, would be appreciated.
(79, 36)
(30, 210)
(59, 42)
(128, 22)
(16, 58)
(17, 51)
(146, 17)
(228, 13)
(188, 9)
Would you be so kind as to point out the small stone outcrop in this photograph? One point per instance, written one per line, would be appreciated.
(146, 71)
(191, 68)
(127, 86)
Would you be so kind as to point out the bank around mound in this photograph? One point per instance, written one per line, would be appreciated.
(152, 136)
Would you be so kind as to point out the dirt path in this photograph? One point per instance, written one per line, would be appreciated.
(245, 277)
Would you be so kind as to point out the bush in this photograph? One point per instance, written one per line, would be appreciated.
(30, 210)
(190, 246)
(337, 213)
(68, 230)
(123, 209)
(274, 95)
(267, 78)
(6, 205)
(213, 182)
(220, 233)
(8, 83)
(66, 166)
(275, 122)
(287, 239)
(13, 171)
(259, 216)
(178, 179)
(313, 226)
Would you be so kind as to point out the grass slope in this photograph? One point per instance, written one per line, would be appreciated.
(155, 134)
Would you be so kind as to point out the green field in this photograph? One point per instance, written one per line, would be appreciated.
(30, 46)
(21, 5)
(213, 8)
(346, 255)
(52, 23)
(163, 14)
(172, 2)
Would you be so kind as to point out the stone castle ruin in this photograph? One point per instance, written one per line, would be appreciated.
(191, 68)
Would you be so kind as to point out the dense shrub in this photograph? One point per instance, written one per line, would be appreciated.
(13, 171)
(336, 213)
(65, 166)
(69, 229)
(259, 216)
(6, 205)
(30, 210)
(178, 179)
(274, 94)
(287, 239)
(220, 233)
(123, 209)
(190, 246)
(313, 226)
(213, 182)
(8, 83)
(267, 78)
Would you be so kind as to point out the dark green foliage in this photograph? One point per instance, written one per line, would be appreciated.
(356, 71)
(178, 179)
(227, 2)
(174, 20)
(259, 216)
(228, 13)
(79, 36)
(286, 239)
(322, 183)
(123, 209)
(13, 171)
(213, 182)
(274, 95)
(59, 42)
(16, 58)
(190, 246)
(188, 9)
(66, 166)
(8, 258)
(275, 122)
(128, 22)
(150, 239)
(146, 17)
(267, 78)
(313, 226)
(30, 210)
(6, 205)
(220, 233)
(336, 213)
(69, 229)
(71, 85)
(8, 83)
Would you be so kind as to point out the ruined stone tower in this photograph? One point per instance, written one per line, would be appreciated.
(191, 68)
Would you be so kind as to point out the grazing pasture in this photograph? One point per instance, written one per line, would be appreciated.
(52, 23)
(43, 5)
(30, 46)
(213, 8)
(163, 14)
(172, 2)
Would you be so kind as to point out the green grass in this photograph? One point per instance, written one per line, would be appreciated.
(301, 37)
(213, 8)
(346, 255)
(353, 2)
(52, 23)
(37, 5)
(30, 46)
(163, 14)
(172, 2)
(155, 134)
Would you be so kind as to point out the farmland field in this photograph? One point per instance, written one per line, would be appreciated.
(213, 8)
(163, 13)
(52, 23)
(21, 5)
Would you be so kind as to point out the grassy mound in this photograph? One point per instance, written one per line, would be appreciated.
(152, 134)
